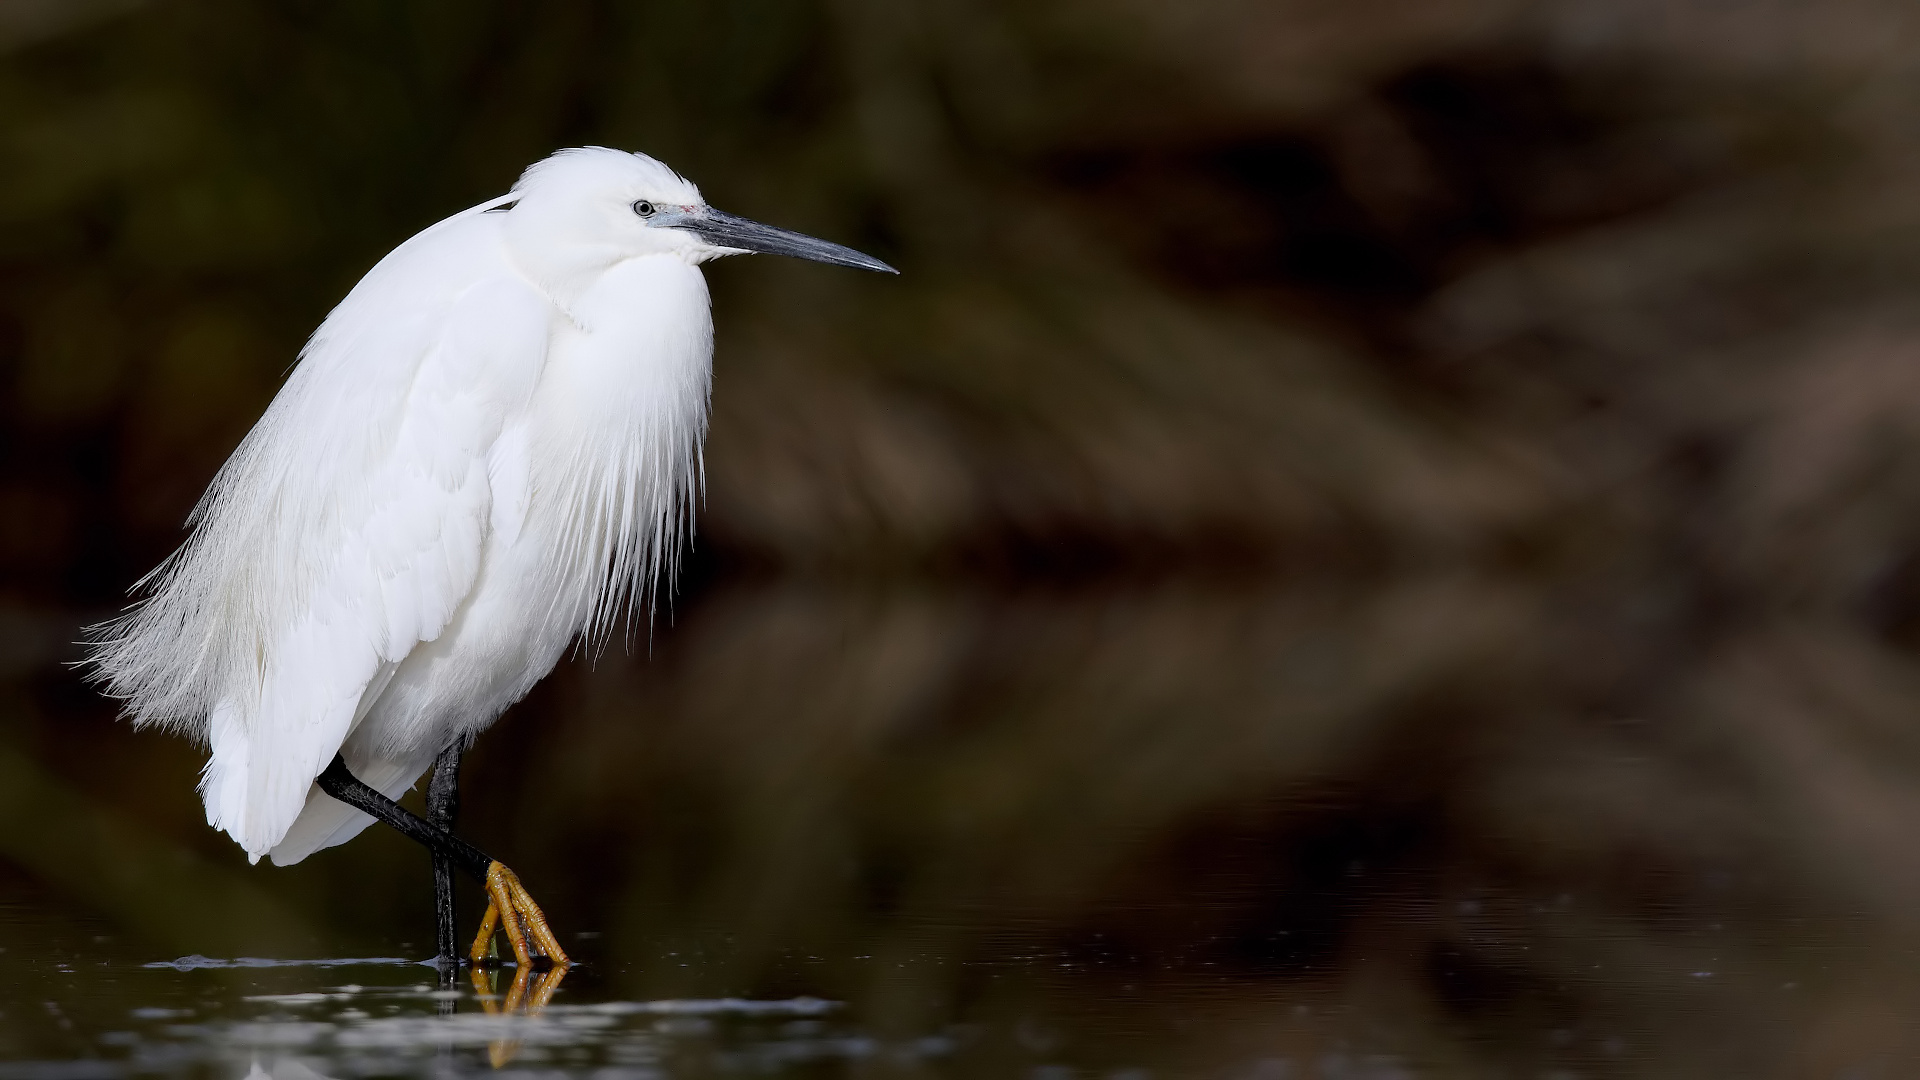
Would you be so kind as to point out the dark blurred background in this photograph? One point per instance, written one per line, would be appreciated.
(1409, 502)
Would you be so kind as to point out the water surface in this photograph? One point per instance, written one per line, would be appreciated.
(78, 1001)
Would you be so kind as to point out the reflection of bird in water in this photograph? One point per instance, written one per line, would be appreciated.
(528, 996)
(489, 448)
(284, 1067)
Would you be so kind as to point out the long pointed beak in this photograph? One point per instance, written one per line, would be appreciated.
(741, 234)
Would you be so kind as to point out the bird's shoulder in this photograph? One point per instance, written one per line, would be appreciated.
(450, 293)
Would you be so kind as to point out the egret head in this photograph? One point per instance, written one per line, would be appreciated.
(581, 211)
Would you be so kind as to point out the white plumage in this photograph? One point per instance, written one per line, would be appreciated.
(489, 448)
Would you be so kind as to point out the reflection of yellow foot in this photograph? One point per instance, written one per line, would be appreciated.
(511, 909)
(519, 1001)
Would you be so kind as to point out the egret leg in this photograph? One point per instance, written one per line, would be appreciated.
(510, 905)
(443, 802)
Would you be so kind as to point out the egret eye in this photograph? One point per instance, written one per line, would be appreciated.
(643, 208)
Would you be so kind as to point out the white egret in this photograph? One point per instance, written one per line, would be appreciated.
(489, 449)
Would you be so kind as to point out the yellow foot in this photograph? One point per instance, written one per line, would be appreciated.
(511, 909)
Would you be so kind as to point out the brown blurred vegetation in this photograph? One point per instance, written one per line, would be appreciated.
(1404, 501)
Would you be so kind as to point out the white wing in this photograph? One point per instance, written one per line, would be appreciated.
(346, 529)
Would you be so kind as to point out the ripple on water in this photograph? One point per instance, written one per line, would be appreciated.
(196, 962)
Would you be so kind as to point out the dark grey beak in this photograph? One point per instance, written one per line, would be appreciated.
(725, 230)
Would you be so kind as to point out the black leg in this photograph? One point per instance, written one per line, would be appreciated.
(509, 907)
(340, 783)
(443, 802)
